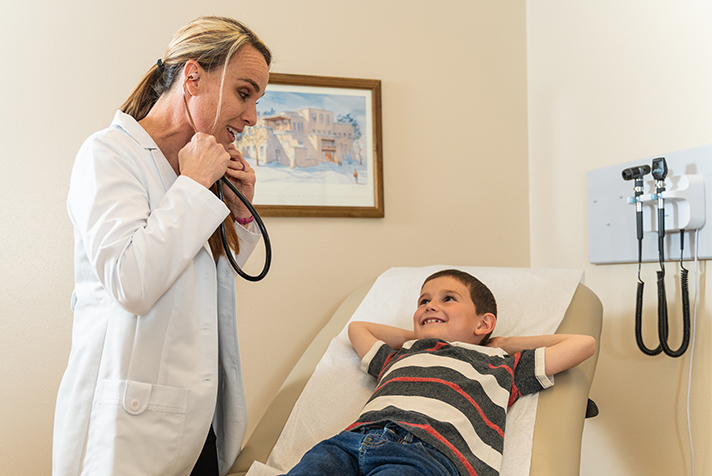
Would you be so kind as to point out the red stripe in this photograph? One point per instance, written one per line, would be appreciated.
(385, 364)
(358, 423)
(455, 387)
(514, 392)
(437, 347)
(440, 438)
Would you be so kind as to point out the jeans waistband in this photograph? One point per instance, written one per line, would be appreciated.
(381, 427)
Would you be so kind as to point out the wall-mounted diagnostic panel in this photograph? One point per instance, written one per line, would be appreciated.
(687, 202)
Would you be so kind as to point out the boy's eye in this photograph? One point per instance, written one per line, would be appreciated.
(423, 301)
(448, 298)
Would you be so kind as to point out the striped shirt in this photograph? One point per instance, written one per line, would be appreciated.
(454, 396)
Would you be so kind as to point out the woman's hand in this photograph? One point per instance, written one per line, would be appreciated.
(243, 177)
(203, 159)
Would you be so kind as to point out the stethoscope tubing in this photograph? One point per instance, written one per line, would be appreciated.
(260, 225)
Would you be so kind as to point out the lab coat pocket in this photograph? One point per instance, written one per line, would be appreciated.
(136, 428)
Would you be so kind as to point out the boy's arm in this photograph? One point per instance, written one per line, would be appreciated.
(563, 351)
(364, 334)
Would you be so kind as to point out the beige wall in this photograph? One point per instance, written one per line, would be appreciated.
(454, 148)
(609, 82)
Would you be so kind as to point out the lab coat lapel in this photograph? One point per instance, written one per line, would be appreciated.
(163, 168)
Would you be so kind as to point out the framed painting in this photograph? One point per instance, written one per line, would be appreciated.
(316, 147)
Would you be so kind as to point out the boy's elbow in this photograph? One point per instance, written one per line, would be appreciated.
(353, 330)
(589, 346)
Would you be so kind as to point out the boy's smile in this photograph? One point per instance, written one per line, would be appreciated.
(432, 320)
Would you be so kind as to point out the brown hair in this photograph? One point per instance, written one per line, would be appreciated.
(480, 294)
(212, 42)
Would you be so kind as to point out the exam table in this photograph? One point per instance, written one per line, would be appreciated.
(560, 412)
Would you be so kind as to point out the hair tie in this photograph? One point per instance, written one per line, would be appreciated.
(160, 66)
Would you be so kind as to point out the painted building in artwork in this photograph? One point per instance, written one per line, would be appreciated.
(301, 138)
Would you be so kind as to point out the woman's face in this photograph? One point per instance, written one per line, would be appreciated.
(245, 82)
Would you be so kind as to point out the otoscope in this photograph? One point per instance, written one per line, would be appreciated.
(660, 171)
(246, 202)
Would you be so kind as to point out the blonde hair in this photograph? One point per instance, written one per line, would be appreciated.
(212, 42)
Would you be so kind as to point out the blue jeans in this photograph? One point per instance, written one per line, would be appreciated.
(381, 450)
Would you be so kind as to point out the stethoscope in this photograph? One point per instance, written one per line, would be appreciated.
(659, 173)
(246, 202)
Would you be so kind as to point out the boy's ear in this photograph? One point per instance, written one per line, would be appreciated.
(486, 325)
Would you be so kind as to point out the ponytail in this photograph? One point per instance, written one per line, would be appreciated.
(154, 83)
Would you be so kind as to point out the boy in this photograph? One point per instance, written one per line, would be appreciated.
(443, 388)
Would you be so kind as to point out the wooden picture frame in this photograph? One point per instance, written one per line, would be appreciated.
(316, 147)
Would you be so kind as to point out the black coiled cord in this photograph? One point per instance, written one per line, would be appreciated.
(260, 224)
(662, 307)
(663, 326)
(639, 308)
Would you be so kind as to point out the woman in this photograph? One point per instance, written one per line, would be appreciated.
(154, 370)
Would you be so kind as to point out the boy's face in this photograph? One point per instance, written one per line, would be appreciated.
(446, 311)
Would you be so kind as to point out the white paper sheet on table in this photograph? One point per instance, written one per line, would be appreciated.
(529, 302)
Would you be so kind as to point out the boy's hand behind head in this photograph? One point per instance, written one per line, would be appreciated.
(497, 342)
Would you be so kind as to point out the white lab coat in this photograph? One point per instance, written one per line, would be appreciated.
(154, 355)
